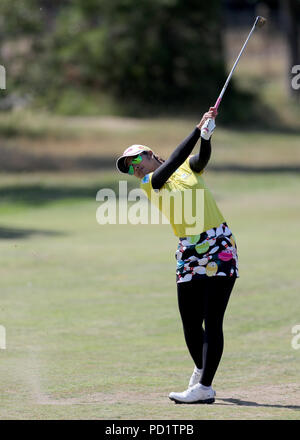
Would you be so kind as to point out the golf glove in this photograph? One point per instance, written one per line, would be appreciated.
(208, 128)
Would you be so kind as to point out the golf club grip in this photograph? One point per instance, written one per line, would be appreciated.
(218, 101)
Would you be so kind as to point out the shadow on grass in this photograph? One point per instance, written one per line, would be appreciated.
(236, 168)
(240, 402)
(8, 233)
(39, 195)
(13, 159)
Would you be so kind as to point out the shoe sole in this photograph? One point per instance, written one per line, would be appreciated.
(207, 401)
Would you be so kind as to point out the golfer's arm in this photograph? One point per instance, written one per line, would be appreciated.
(199, 161)
(179, 155)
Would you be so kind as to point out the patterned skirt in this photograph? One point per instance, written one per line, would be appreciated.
(211, 253)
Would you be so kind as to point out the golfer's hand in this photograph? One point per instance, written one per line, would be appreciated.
(211, 114)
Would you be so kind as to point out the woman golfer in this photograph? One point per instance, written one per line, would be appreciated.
(207, 262)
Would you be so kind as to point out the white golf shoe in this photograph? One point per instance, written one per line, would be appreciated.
(194, 394)
(196, 377)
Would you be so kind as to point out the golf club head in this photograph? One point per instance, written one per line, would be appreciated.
(260, 21)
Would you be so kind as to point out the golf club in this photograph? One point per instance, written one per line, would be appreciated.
(259, 22)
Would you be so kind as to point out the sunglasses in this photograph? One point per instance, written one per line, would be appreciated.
(134, 161)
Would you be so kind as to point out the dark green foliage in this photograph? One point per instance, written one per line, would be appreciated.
(149, 55)
(162, 52)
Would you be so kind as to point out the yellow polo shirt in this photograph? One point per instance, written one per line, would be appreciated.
(185, 201)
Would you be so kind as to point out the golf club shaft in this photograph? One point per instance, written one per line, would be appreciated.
(234, 66)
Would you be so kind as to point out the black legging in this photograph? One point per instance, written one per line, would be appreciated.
(204, 300)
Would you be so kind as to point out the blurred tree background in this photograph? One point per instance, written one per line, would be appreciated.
(88, 57)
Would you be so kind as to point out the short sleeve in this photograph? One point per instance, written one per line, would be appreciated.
(146, 184)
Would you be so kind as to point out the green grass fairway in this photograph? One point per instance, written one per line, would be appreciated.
(90, 311)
